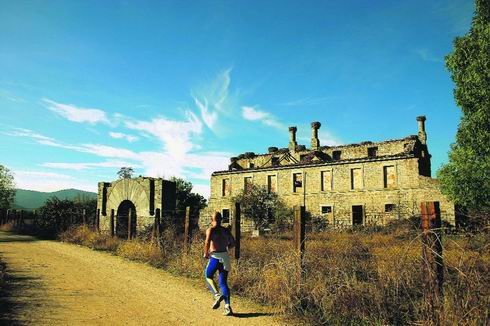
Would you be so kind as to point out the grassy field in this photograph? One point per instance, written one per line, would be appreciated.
(371, 277)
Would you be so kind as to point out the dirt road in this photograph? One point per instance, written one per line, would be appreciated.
(52, 283)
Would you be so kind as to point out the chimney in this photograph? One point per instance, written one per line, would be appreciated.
(315, 142)
(292, 139)
(422, 135)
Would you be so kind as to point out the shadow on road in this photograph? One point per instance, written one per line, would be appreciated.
(11, 292)
(14, 288)
(250, 314)
(13, 237)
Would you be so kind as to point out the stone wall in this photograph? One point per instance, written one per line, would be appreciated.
(407, 193)
(388, 179)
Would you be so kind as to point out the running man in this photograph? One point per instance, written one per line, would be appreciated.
(218, 241)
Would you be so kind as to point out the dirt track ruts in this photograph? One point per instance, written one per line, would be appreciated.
(63, 284)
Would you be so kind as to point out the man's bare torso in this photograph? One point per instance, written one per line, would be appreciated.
(219, 239)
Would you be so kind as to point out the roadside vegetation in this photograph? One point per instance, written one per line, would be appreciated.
(369, 276)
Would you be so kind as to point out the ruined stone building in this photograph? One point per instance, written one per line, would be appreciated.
(143, 198)
(357, 184)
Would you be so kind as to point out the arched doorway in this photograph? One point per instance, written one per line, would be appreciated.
(123, 219)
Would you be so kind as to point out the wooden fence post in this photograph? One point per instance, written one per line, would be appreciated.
(299, 237)
(187, 225)
(97, 220)
(129, 224)
(34, 218)
(432, 260)
(111, 223)
(84, 217)
(21, 219)
(158, 216)
(236, 232)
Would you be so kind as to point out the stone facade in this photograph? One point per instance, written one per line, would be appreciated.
(367, 183)
(143, 197)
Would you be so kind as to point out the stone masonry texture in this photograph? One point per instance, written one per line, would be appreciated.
(366, 183)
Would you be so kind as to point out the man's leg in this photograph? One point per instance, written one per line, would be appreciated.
(211, 268)
(223, 284)
(225, 290)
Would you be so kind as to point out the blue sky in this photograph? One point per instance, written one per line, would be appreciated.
(177, 87)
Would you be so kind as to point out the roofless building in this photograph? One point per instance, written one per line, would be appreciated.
(357, 184)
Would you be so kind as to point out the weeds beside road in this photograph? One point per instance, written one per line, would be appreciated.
(364, 277)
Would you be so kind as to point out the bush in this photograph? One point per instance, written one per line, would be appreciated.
(57, 216)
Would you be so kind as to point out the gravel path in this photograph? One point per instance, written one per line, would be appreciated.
(53, 283)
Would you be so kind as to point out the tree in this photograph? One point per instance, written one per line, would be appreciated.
(264, 208)
(58, 215)
(7, 187)
(185, 196)
(125, 172)
(466, 177)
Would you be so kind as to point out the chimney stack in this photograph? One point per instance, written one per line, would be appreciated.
(422, 134)
(315, 142)
(292, 139)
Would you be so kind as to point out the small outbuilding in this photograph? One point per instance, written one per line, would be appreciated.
(144, 199)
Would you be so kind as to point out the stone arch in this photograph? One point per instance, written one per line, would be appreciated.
(123, 196)
(132, 190)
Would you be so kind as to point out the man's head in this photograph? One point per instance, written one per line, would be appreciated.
(216, 219)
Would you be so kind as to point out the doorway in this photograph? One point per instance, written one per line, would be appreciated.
(357, 214)
(123, 210)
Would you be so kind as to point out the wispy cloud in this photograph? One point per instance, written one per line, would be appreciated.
(49, 181)
(21, 132)
(211, 99)
(108, 151)
(96, 149)
(41, 139)
(175, 135)
(86, 166)
(77, 114)
(252, 114)
(427, 55)
(120, 135)
(308, 101)
(11, 97)
(204, 190)
(209, 117)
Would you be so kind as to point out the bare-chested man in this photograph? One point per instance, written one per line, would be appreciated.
(218, 241)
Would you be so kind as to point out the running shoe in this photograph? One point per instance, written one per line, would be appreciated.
(228, 311)
(217, 300)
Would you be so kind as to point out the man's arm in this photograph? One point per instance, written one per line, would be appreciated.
(206, 243)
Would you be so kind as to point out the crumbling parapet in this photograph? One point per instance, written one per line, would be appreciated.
(292, 139)
(315, 142)
(422, 134)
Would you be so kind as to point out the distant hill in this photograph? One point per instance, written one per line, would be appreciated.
(30, 199)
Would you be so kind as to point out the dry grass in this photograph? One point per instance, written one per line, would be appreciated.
(7, 227)
(84, 236)
(349, 278)
(142, 251)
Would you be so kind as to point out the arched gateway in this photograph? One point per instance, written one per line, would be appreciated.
(139, 198)
(124, 223)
